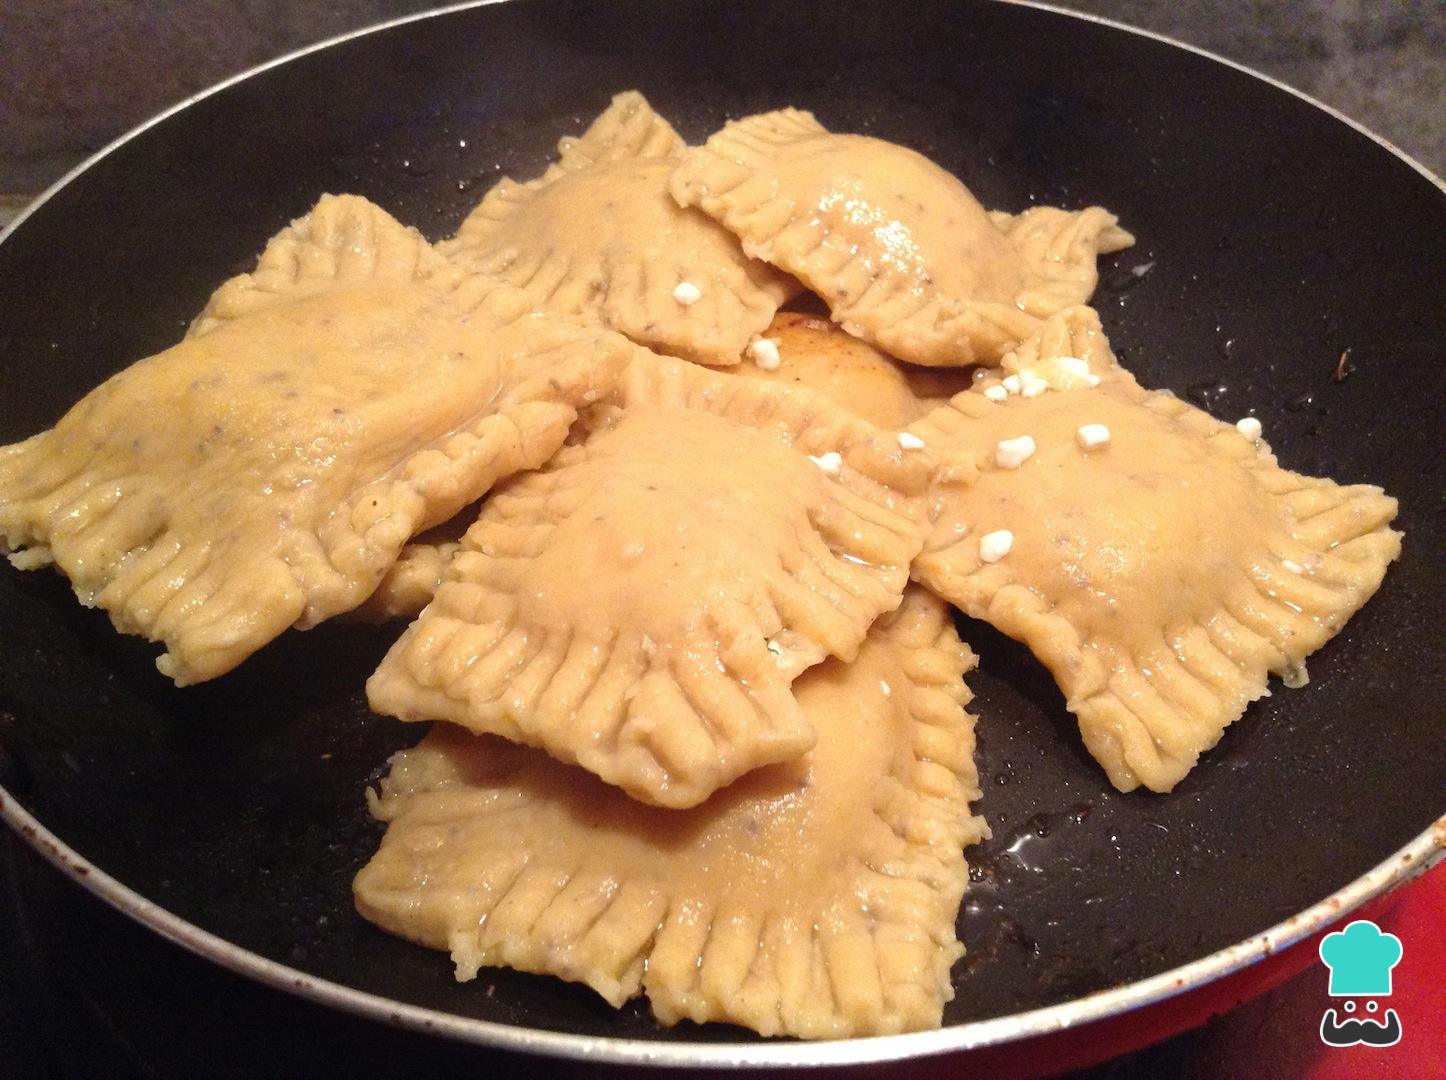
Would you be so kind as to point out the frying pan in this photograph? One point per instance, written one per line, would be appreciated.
(1273, 237)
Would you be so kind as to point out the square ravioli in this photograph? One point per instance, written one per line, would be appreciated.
(815, 898)
(265, 472)
(1157, 561)
(902, 253)
(597, 238)
(642, 604)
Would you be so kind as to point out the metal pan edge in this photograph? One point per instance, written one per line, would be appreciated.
(1422, 853)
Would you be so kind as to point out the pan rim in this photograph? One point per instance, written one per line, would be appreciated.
(465, 5)
(1415, 858)
(1420, 854)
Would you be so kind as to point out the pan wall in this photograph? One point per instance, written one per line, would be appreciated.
(74, 74)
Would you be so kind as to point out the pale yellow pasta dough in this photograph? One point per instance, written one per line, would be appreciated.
(1058, 251)
(899, 249)
(409, 583)
(815, 353)
(597, 238)
(1161, 575)
(265, 472)
(815, 898)
(642, 605)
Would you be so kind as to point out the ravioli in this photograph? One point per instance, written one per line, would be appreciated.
(1157, 561)
(266, 471)
(597, 238)
(902, 253)
(642, 604)
(815, 898)
(806, 350)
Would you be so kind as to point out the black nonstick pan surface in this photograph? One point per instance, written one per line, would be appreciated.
(1273, 239)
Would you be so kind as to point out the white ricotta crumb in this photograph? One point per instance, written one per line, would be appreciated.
(996, 393)
(764, 353)
(909, 441)
(830, 463)
(1092, 435)
(1031, 385)
(1012, 453)
(1250, 427)
(1073, 365)
(994, 546)
(1010, 384)
(686, 293)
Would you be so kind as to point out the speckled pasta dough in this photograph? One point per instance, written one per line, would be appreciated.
(899, 249)
(1162, 575)
(409, 583)
(265, 472)
(813, 352)
(642, 605)
(1059, 252)
(597, 238)
(815, 898)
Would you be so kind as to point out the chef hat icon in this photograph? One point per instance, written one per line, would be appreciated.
(1360, 959)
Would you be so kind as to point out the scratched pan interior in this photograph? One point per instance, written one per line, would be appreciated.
(1275, 237)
